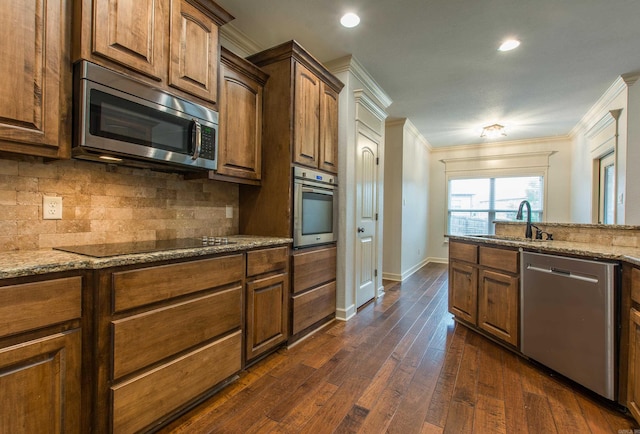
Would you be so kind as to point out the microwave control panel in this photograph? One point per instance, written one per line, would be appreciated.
(208, 143)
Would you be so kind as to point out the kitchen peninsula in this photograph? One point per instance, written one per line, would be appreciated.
(486, 279)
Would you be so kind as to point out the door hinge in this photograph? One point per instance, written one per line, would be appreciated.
(375, 273)
(377, 161)
(376, 216)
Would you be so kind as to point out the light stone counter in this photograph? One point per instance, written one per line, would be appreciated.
(29, 263)
(587, 250)
(609, 242)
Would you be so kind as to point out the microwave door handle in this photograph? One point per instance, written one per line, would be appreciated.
(196, 139)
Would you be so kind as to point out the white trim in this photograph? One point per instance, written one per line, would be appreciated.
(498, 163)
(350, 64)
(392, 276)
(346, 314)
(616, 88)
(495, 145)
(437, 260)
(231, 37)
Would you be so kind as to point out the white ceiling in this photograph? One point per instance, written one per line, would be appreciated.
(438, 60)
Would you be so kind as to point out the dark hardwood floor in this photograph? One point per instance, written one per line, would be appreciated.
(402, 365)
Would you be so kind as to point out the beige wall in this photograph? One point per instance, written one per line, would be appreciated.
(101, 206)
(406, 187)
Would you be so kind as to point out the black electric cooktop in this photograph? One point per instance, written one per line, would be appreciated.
(116, 249)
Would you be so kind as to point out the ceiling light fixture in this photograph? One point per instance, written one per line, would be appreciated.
(350, 20)
(493, 131)
(509, 45)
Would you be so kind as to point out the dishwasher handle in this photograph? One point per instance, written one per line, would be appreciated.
(565, 273)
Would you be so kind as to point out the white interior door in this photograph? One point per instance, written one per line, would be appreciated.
(366, 208)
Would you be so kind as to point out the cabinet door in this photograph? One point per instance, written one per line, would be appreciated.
(328, 129)
(35, 89)
(40, 384)
(306, 117)
(266, 314)
(633, 385)
(132, 33)
(240, 151)
(193, 67)
(463, 291)
(498, 305)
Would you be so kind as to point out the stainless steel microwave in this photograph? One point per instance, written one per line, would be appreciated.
(117, 118)
(315, 207)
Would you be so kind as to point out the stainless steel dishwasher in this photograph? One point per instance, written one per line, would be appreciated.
(568, 318)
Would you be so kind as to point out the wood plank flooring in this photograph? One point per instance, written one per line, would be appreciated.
(402, 365)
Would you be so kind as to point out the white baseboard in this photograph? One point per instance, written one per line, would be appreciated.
(346, 314)
(400, 277)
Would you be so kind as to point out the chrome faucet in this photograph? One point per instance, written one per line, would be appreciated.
(528, 232)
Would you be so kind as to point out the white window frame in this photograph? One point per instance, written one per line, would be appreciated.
(498, 166)
(491, 212)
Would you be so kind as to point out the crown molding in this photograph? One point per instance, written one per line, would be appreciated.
(238, 42)
(595, 112)
(502, 144)
(351, 65)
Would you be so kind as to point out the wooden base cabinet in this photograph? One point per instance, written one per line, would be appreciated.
(267, 297)
(167, 335)
(313, 296)
(484, 288)
(631, 303)
(40, 356)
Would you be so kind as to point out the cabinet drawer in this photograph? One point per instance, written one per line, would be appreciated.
(146, 338)
(33, 305)
(313, 268)
(144, 399)
(147, 285)
(463, 252)
(267, 260)
(314, 305)
(499, 259)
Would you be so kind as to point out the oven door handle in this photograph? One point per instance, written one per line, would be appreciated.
(317, 190)
(196, 139)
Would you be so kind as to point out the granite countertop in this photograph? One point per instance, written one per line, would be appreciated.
(589, 250)
(34, 262)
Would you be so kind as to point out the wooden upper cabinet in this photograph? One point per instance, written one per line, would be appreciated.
(132, 33)
(35, 117)
(173, 44)
(194, 51)
(240, 133)
(328, 129)
(300, 94)
(306, 117)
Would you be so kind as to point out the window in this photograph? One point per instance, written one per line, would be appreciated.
(474, 203)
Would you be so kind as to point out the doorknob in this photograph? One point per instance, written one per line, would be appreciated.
(360, 230)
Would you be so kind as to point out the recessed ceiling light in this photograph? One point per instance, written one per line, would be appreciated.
(509, 45)
(350, 20)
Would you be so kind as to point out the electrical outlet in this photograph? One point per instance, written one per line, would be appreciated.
(52, 207)
(229, 212)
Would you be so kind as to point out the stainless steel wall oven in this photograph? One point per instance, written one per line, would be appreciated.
(315, 207)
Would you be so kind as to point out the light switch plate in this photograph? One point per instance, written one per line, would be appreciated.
(229, 211)
(52, 207)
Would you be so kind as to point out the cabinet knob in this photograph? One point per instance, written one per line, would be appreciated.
(360, 230)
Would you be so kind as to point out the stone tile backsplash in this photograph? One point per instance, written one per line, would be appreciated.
(603, 235)
(104, 204)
